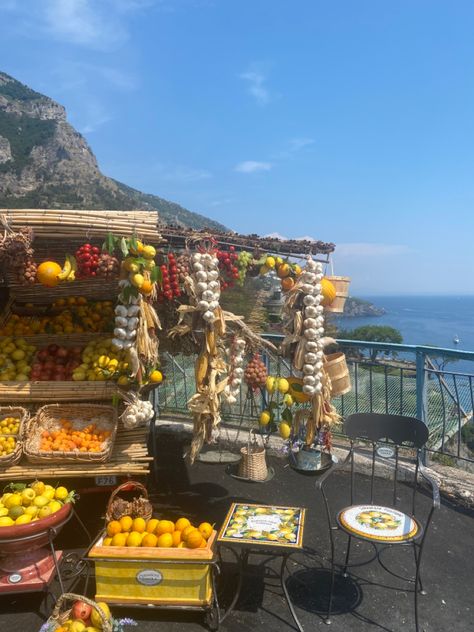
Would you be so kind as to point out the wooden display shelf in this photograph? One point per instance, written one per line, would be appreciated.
(129, 458)
(54, 392)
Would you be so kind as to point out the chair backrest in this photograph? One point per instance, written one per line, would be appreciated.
(396, 429)
(375, 427)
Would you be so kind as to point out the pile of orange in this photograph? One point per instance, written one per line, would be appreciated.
(74, 315)
(157, 533)
(69, 439)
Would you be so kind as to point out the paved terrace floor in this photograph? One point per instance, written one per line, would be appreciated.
(368, 600)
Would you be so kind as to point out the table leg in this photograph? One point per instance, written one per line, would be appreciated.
(51, 534)
(284, 562)
(242, 560)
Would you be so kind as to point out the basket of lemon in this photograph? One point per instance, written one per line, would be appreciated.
(12, 424)
(75, 612)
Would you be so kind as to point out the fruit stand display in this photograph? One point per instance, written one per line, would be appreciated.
(78, 326)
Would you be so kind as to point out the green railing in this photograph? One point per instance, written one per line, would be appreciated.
(387, 378)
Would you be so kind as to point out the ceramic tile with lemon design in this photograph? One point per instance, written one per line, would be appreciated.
(263, 524)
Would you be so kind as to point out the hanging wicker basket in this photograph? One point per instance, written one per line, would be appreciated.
(139, 507)
(253, 465)
(62, 612)
(342, 292)
(336, 368)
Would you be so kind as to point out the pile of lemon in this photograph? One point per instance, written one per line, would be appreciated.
(27, 503)
(16, 357)
(101, 361)
(157, 533)
(9, 427)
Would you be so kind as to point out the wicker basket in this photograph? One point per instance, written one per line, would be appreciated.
(253, 465)
(62, 612)
(335, 366)
(23, 415)
(342, 292)
(118, 507)
(48, 417)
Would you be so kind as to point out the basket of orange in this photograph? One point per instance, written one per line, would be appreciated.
(71, 433)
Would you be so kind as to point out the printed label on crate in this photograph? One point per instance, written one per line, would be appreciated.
(262, 524)
(149, 577)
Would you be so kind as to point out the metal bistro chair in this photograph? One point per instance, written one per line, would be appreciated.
(383, 526)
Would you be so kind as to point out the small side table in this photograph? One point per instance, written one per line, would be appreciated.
(262, 530)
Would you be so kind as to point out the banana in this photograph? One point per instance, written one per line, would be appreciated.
(66, 271)
(73, 264)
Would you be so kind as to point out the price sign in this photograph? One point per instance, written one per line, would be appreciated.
(105, 481)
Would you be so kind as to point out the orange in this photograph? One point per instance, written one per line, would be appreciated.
(119, 539)
(150, 540)
(181, 545)
(114, 527)
(287, 283)
(151, 525)
(165, 540)
(283, 270)
(187, 531)
(203, 544)
(134, 539)
(164, 526)
(205, 529)
(194, 539)
(146, 287)
(139, 525)
(47, 273)
(181, 524)
(126, 523)
(176, 535)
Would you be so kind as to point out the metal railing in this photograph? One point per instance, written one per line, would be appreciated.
(386, 378)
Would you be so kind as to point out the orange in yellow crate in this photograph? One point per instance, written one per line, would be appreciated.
(113, 528)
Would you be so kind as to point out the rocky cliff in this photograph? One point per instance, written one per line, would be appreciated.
(358, 307)
(46, 163)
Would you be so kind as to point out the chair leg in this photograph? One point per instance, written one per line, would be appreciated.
(418, 580)
(420, 583)
(348, 552)
(327, 620)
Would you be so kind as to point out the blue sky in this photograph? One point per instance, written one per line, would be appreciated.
(346, 121)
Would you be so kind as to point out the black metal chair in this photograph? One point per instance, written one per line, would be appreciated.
(383, 525)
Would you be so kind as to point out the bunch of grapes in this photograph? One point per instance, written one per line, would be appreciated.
(182, 266)
(256, 372)
(170, 281)
(228, 269)
(108, 266)
(26, 271)
(243, 262)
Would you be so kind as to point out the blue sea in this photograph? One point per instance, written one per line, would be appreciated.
(424, 320)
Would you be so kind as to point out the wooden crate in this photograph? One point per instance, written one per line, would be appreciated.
(145, 575)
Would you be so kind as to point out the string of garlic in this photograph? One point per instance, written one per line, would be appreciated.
(313, 329)
(126, 321)
(236, 371)
(205, 271)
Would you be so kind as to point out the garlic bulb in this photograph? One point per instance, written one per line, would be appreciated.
(121, 310)
(312, 327)
(236, 354)
(120, 333)
(117, 343)
(205, 272)
(120, 321)
(137, 412)
(133, 310)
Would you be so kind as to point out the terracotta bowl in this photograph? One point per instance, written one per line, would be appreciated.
(28, 537)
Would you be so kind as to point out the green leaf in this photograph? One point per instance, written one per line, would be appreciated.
(272, 405)
(109, 243)
(140, 261)
(287, 416)
(124, 246)
(297, 387)
(133, 243)
(156, 275)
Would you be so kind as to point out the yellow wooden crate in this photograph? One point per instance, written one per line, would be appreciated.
(145, 575)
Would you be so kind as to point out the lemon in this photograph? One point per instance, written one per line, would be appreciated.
(16, 512)
(283, 385)
(31, 511)
(49, 493)
(270, 262)
(265, 418)
(54, 505)
(41, 501)
(61, 493)
(148, 252)
(78, 376)
(19, 354)
(5, 521)
(284, 430)
(23, 519)
(44, 512)
(270, 384)
(3, 512)
(156, 376)
(123, 380)
(14, 500)
(288, 400)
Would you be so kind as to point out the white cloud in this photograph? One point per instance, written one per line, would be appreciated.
(252, 166)
(256, 86)
(92, 116)
(363, 249)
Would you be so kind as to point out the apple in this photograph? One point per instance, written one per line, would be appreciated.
(62, 352)
(43, 354)
(81, 610)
